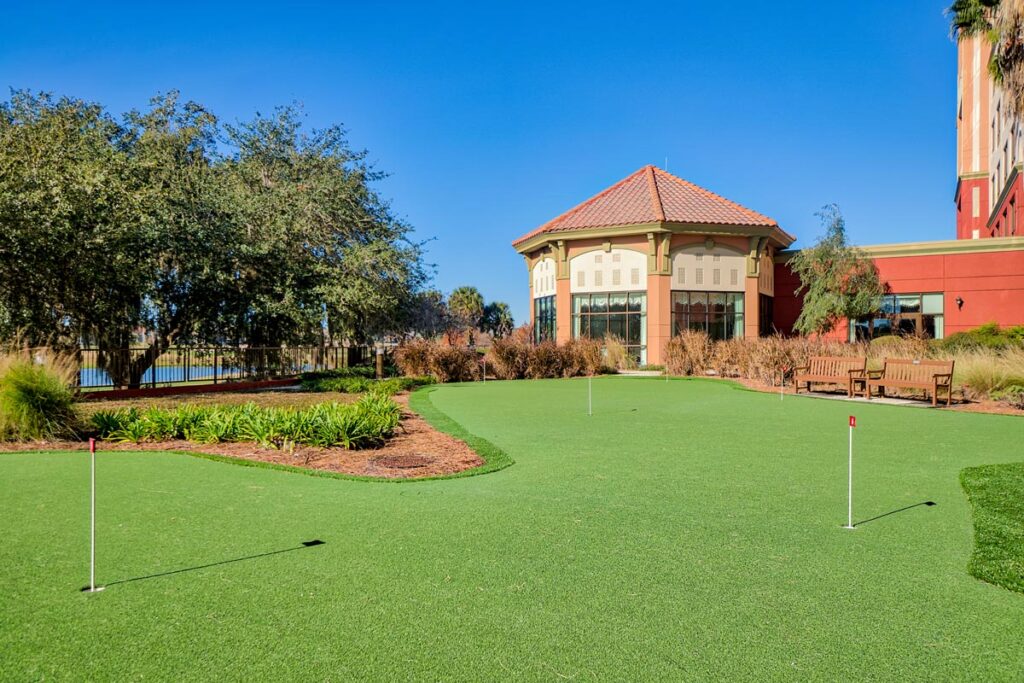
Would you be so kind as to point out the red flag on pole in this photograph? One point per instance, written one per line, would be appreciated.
(853, 421)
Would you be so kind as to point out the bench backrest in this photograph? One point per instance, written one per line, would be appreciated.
(910, 370)
(834, 366)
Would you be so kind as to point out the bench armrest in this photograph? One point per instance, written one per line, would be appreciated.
(943, 375)
(801, 367)
(875, 374)
(856, 372)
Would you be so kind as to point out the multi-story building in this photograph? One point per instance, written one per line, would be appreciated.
(990, 151)
(654, 254)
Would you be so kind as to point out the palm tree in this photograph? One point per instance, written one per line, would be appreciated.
(497, 319)
(466, 307)
(1001, 22)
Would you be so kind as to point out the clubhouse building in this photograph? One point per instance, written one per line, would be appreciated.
(654, 254)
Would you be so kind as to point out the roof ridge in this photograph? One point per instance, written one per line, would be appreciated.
(652, 185)
(715, 195)
(581, 205)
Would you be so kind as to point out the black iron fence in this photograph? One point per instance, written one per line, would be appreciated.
(140, 367)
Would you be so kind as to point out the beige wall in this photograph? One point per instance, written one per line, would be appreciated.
(657, 263)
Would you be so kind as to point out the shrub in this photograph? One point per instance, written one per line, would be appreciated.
(1012, 395)
(586, 355)
(545, 361)
(36, 400)
(414, 357)
(368, 422)
(510, 356)
(616, 355)
(688, 353)
(454, 363)
(984, 372)
(363, 371)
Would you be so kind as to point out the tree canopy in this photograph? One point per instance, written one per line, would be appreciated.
(838, 281)
(260, 232)
(1001, 22)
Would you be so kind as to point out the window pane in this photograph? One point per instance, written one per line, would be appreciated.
(599, 303)
(617, 326)
(641, 299)
(633, 332)
(717, 304)
(737, 331)
(698, 309)
(738, 302)
(940, 330)
(598, 326)
(931, 303)
(907, 325)
(889, 305)
(909, 303)
(617, 303)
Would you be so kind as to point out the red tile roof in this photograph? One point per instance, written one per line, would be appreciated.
(651, 195)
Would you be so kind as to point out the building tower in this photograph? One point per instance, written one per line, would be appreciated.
(989, 198)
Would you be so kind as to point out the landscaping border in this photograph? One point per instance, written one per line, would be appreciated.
(494, 458)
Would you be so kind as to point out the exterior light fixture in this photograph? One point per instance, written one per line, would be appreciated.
(959, 302)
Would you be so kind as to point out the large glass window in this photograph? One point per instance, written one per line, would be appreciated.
(720, 314)
(544, 319)
(622, 315)
(918, 315)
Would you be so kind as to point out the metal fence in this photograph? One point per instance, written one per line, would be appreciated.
(99, 369)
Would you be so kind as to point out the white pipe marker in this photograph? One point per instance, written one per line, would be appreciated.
(849, 500)
(92, 518)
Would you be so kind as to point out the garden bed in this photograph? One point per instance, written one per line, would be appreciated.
(436, 453)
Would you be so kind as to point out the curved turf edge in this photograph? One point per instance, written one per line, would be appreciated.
(494, 458)
(996, 494)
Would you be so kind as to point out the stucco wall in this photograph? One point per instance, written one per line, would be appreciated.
(990, 284)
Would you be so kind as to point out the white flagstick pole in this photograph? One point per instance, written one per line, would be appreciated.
(849, 499)
(92, 518)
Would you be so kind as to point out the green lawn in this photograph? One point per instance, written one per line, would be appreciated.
(688, 530)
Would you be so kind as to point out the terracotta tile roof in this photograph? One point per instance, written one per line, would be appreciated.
(648, 196)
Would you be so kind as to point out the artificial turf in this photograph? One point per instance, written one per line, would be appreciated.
(997, 494)
(688, 530)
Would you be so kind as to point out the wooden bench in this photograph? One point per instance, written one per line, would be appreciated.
(830, 370)
(905, 373)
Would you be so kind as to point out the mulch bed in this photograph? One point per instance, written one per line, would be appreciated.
(417, 450)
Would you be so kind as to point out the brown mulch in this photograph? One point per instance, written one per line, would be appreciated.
(434, 453)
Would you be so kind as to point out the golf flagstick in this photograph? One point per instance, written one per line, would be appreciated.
(92, 519)
(849, 490)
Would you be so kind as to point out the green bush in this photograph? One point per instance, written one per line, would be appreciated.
(360, 385)
(361, 371)
(368, 422)
(987, 336)
(1012, 394)
(36, 400)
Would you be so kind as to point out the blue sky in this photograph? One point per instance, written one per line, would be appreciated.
(493, 119)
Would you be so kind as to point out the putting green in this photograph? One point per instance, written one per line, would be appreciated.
(689, 529)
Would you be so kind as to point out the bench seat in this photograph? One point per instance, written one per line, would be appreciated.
(839, 370)
(907, 373)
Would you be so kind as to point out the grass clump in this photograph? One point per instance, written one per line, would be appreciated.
(996, 493)
(36, 399)
(366, 423)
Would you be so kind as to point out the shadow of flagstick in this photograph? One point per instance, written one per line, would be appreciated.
(927, 503)
(302, 546)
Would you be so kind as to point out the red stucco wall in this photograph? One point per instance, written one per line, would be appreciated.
(990, 284)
